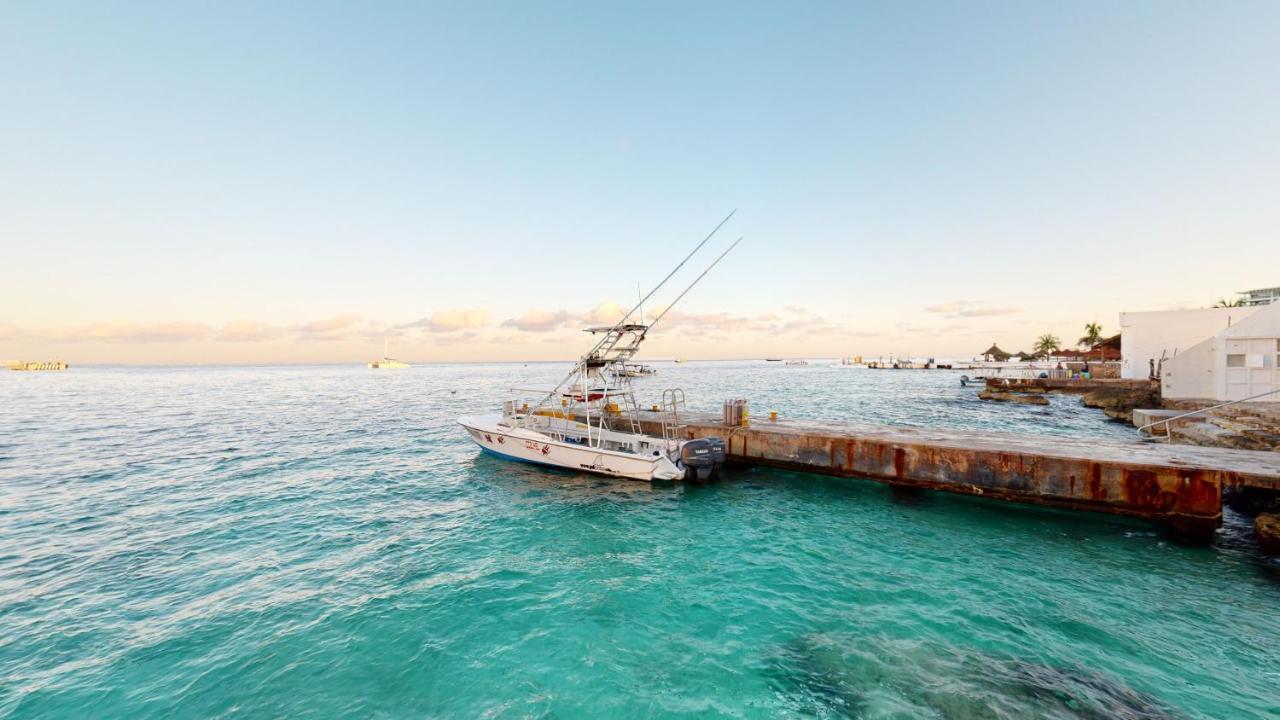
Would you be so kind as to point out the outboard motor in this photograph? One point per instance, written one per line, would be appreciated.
(702, 458)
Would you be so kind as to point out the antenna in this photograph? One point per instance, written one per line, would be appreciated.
(641, 305)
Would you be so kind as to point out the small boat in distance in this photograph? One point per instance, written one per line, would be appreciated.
(796, 363)
(636, 370)
(387, 362)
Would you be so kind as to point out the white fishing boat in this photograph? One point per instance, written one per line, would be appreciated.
(590, 421)
(635, 370)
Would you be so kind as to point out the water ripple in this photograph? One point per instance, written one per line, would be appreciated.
(322, 542)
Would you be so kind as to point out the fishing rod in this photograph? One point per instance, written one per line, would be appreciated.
(695, 282)
(622, 321)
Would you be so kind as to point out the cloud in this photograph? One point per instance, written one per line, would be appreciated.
(604, 314)
(453, 320)
(137, 332)
(539, 321)
(334, 328)
(458, 338)
(247, 331)
(969, 308)
(767, 323)
(795, 309)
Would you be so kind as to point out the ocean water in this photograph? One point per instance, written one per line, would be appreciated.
(323, 542)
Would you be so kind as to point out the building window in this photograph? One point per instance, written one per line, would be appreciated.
(1235, 360)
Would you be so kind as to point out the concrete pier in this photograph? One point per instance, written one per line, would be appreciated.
(1178, 486)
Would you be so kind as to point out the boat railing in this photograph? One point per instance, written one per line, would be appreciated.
(672, 400)
(1167, 422)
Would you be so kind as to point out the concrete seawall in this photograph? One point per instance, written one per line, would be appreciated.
(1178, 486)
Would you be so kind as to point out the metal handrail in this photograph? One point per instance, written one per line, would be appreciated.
(1168, 435)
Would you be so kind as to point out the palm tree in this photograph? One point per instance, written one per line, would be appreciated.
(1092, 335)
(1048, 344)
(1223, 302)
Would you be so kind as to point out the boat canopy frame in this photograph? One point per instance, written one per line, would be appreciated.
(598, 376)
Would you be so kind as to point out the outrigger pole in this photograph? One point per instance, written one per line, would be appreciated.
(695, 282)
(622, 321)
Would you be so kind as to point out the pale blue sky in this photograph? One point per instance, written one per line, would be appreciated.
(178, 165)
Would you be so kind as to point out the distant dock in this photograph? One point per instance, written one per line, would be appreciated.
(24, 366)
(1177, 486)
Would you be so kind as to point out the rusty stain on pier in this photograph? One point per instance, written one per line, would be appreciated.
(1179, 486)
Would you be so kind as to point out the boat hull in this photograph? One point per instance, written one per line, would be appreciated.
(533, 447)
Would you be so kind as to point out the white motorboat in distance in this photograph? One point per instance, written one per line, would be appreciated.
(635, 370)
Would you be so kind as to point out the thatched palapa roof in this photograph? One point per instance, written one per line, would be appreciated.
(996, 353)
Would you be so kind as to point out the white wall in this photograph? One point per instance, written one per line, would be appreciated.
(1256, 341)
(1238, 362)
(1146, 335)
(1192, 374)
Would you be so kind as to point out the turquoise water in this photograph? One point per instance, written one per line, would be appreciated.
(324, 542)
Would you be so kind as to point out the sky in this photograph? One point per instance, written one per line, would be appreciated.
(294, 182)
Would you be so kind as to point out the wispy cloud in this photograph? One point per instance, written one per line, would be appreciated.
(970, 308)
(329, 329)
(158, 332)
(539, 321)
(452, 320)
(247, 331)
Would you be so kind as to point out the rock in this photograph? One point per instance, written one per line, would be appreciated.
(1119, 403)
(1207, 435)
(1124, 416)
(1267, 527)
(1000, 396)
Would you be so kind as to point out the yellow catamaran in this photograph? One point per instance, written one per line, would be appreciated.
(387, 363)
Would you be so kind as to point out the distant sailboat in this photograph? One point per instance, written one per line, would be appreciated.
(387, 362)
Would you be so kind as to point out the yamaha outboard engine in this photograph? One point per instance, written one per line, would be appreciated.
(702, 458)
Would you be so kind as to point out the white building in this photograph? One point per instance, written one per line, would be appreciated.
(1261, 296)
(1238, 362)
(1148, 336)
